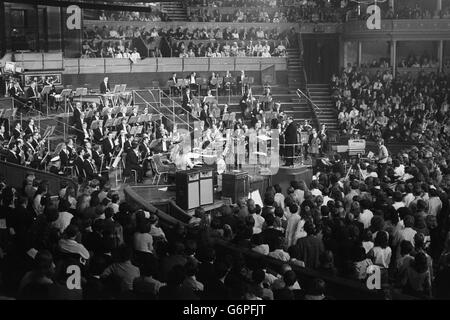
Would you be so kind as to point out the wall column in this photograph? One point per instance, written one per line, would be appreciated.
(359, 60)
(394, 56)
(441, 54)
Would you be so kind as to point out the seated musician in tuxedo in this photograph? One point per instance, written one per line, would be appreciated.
(12, 156)
(33, 95)
(132, 162)
(146, 153)
(97, 156)
(90, 169)
(29, 129)
(3, 136)
(17, 131)
(128, 145)
(98, 134)
(30, 152)
(104, 86)
(79, 163)
(108, 148)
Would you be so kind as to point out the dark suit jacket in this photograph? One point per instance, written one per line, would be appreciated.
(107, 147)
(127, 147)
(291, 134)
(103, 87)
(131, 160)
(89, 170)
(79, 163)
(64, 157)
(12, 158)
(16, 134)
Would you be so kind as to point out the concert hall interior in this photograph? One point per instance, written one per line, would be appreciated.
(252, 150)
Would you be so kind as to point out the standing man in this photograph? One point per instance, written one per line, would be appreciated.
(290, 138)
(382, 158)
(104, 86)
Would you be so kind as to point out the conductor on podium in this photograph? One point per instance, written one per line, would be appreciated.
(104, 86)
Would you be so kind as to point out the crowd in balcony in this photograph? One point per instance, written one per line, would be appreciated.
(121, 42)
(397, 109)
(266, 11)
(154, 16)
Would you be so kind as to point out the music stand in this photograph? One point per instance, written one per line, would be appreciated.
(133, 120)
(46, 91)
(117, 88)
(96, 124)
(110, 122)
(65, 94)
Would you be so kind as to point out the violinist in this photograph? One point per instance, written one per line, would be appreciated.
(31, 155)
(127, 146)
(108, 147)
(17, 131)
(123, 126)
(30, 129)
(35, 142)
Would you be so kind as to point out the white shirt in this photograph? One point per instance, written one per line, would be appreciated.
(291, 228)
(398, 205)
(259, 222)
(316, 192)
(365, 217)
(382, 257)
(143, 242)
(279, 198)
(434, 206)
(63, 221)
(407, 234)
(280, 255)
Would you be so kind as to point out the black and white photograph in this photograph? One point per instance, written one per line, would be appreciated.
(226, 156)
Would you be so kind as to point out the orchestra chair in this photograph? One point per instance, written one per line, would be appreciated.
(160, 169)
(132, 172)
(124, 173)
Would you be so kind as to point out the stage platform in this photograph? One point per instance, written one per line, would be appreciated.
(163, 197)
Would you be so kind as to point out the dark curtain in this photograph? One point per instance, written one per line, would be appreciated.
(321, 57)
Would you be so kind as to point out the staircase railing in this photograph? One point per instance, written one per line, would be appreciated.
(301, 94)
(173, 116)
